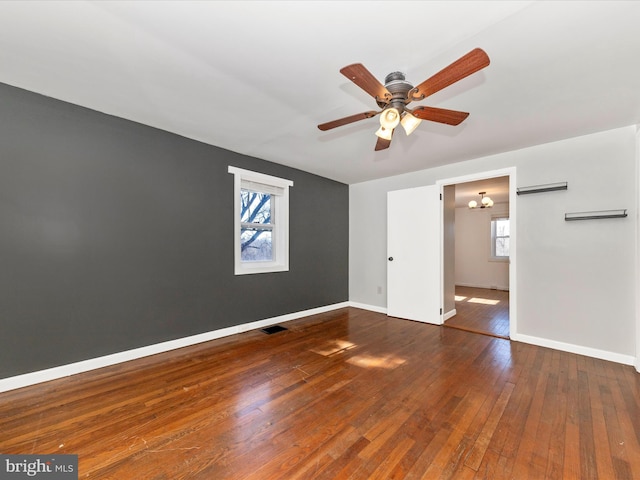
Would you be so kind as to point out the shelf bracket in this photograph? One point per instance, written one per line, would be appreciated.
(549, 187)
(595, 215)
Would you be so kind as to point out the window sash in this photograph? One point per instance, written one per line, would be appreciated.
(278, 225)
(495, 237)
(261, 187)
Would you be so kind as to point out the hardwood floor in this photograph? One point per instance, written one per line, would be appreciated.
(481, 310)
(346, 394)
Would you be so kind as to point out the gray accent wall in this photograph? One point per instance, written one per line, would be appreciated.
(116, 235)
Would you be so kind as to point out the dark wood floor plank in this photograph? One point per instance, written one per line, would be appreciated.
(588, 466)
(461, 418)
(533, 442)
(614, 432)
(599, 393)
(424, 461)
(474, 459)
(346, 394)
(624, 433)
(384, 469)
(571, 460)
(492, 466)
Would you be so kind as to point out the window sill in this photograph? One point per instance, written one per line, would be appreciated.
(248, 270)
(499, 259)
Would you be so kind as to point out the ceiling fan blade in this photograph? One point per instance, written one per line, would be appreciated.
(470, 63)
(347, 120)
(440, 115)
(381, 144)
(363, 78)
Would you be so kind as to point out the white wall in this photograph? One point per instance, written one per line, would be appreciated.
(473, 266)
(575, 280)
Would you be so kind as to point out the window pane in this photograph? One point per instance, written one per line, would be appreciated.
(255, 245)
(502, 247)
(255, 207)
(502, 228)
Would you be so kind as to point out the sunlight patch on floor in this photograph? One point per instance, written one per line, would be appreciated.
(459, 298)
(388, 362)
(484, 301)
(333, 347)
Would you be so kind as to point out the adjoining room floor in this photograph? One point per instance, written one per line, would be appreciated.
(481, 310)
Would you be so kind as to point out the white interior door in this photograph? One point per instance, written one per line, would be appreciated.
(413, 254)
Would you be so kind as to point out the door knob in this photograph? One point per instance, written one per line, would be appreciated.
(391, 259)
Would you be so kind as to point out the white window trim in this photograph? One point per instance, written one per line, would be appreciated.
(492, 255)
(280, 222)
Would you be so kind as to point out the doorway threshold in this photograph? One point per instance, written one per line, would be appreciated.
(479, 332)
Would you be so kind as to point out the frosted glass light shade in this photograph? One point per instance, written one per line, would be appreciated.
(385, 133)
(390, 118)
(473, 204)
(409, 123)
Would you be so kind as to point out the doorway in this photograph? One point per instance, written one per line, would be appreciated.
(481, 310)
(477, 290)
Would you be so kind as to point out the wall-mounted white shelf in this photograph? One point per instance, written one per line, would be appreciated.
(549, 187)
(595, 215)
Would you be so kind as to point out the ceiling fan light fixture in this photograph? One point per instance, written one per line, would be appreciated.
(385, 133)
(390, 118)
(396, 93)
(409, 123)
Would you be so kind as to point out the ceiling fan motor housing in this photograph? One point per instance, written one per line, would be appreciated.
(397, 85)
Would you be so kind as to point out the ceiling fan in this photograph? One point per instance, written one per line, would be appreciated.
(396, 93)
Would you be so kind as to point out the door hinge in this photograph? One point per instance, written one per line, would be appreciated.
(440, 196)
(440, 311)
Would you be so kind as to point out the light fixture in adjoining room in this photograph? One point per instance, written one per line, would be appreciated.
(485, 202)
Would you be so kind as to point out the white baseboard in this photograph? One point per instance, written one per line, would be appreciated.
(372, 308)
(487, 287)
(27, 379)
(449, 314)
(290, 316)
(577, 349)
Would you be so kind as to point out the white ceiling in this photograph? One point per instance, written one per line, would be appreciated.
(258, 77)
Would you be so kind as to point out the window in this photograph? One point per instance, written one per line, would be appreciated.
(261, 222)
(500, 238)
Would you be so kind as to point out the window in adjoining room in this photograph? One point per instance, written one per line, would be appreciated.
(500, 238)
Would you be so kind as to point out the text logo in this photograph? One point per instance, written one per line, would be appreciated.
(49, 467)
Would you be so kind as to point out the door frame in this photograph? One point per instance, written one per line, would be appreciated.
(505, 172)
